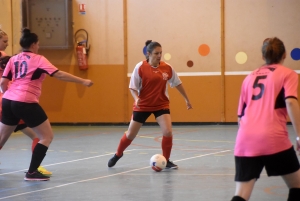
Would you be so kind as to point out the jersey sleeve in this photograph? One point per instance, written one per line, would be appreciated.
(46, 66)
(174, 80)
(290, 85)
(136, 80)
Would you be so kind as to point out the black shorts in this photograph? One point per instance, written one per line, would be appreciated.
(282, 163)
(141, 117)
(31, 113)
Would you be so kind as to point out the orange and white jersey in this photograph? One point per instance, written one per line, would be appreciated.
(151, 84)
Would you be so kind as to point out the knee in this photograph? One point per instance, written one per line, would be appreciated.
(130, 135)
(47, 139)
(167, 133)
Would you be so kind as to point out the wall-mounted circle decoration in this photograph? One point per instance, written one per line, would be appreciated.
(203, 50)
(167, 56)
(241, 57)
(295, 54)
(190, 63)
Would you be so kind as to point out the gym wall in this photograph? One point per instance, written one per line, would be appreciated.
(212, 44)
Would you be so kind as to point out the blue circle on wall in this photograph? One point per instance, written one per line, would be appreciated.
(295, 54)
(145, 50)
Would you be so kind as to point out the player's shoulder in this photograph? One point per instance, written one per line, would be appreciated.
(163, 63)
(286, 69)
(141, 63)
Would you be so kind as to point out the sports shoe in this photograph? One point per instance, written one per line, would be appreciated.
(36, 176)
(171, 165)
(43, 170)
(113, 160)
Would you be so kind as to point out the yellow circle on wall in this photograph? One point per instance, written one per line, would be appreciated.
(241, 57)
(167, 56)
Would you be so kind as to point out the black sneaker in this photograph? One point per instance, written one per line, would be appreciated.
(36, 176)
(113, 160)
(171, 165)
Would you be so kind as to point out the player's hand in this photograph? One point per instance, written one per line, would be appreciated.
(137, 102)
(189, 105)
(87, 83)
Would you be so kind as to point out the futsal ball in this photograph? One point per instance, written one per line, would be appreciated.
(158, 162)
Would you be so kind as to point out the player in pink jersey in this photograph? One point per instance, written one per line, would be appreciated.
(268, 95)
(149, 88)
(21, 126)
(20, 101)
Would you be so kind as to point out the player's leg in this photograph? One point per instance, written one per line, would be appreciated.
(286, 164)
(138, 118)
(293, 182)
(8, 121)
(32, 135)
(243, 190)
(35, 117)
(247, 171)
(45, 134)
(5, 132)
(163, 118)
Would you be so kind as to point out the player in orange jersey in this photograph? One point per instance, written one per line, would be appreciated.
(149, 88)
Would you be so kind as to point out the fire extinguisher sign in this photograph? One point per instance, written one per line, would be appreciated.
(82, 9)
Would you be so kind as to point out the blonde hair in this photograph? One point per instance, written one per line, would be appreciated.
(2, 33)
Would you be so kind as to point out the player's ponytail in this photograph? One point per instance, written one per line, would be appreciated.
(28, 38)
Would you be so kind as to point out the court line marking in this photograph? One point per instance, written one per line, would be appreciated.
(101, 156)
(102, 177)
(66, 162)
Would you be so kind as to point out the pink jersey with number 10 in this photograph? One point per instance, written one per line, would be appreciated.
(263, 112)
(27, 70)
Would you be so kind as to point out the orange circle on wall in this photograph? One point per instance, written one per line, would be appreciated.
(190, 63)
(203, 50)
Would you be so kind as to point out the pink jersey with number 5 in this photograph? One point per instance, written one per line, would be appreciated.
(27, 70)
(263, 112)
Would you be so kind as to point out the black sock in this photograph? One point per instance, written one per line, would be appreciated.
(38, 155)
(294, 194)
(237, 198)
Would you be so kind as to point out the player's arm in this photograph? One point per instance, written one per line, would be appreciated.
(293, 110)
(181, 90)
(67, 77)
(4, 84)
(135, 96)
(135, 84)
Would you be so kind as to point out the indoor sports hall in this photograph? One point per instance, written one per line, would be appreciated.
(211, 44)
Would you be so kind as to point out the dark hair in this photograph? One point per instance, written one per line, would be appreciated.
(151, 45)
(28, 38)
(273, 50)
(3, 61)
